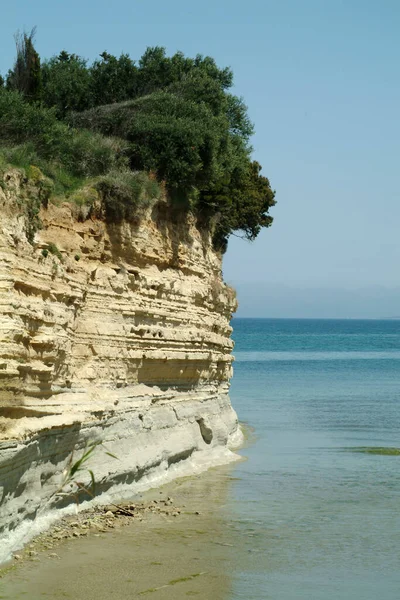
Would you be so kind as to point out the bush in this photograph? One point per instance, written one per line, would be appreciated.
(125, 194)
(52, 248)
(82, 153)
(180, 140)
(33, 221)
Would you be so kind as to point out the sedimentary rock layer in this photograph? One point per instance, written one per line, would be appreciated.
(112, 333)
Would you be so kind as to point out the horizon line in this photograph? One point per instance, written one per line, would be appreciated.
(321, 318)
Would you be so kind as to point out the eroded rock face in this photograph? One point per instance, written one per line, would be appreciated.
(117, 333)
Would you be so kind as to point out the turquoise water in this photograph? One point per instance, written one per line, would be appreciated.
(317, 504)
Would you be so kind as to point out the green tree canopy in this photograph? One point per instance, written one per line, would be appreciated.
(112, 79)
(240, 201)
(66, 81)
(173, 116)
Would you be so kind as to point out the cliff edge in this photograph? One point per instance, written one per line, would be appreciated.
(116, 333)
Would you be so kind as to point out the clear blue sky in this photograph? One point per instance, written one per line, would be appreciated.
(321, 80)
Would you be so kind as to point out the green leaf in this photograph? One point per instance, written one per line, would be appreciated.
(93, 482)
(112, 455)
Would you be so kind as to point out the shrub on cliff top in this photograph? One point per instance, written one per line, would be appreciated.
(83, 153)
(125, 193)
(172, 116)
(180, 140)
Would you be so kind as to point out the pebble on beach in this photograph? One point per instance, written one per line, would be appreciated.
(95, 521)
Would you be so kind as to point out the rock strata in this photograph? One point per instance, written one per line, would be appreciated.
(111, 333)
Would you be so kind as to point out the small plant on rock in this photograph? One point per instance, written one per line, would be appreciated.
(73, 470)
(71, 484)
(52, 248)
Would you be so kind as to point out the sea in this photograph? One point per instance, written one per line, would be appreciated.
(311, 512)
(320, 490)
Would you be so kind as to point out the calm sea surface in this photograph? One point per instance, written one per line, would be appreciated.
(312, 514)
(318, 495)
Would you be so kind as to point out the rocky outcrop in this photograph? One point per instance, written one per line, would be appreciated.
(113, 333)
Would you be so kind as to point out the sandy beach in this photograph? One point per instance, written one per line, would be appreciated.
(175, 546)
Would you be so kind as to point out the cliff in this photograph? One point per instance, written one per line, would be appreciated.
(112, 333)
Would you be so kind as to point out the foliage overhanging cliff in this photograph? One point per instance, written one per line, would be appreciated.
(131, 129)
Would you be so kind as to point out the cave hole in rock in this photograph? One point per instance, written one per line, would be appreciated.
(205, 430)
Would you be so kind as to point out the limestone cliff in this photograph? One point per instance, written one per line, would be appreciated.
(117, 333)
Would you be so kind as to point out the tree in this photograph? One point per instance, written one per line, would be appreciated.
(26, 76)
(157, 71)
(113, 79)
(240, 202)
(66, 83)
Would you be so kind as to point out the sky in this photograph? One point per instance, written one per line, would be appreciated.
(321, 81)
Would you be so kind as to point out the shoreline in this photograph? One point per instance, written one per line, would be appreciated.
(197, 464)
(177, 538)
(87, 522)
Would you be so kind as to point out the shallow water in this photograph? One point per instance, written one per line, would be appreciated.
(319, 489)
(312, 514)
(160, 557)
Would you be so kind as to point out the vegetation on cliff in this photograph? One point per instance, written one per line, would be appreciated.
(125, 126)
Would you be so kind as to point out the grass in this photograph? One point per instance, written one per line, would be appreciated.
(61, 160)
(75, 469)
(123, 194)
(35, 129)
(24, 156)
(126, 193)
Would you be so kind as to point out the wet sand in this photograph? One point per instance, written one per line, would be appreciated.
(180, 553)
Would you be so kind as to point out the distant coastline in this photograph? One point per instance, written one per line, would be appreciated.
(316, 318)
